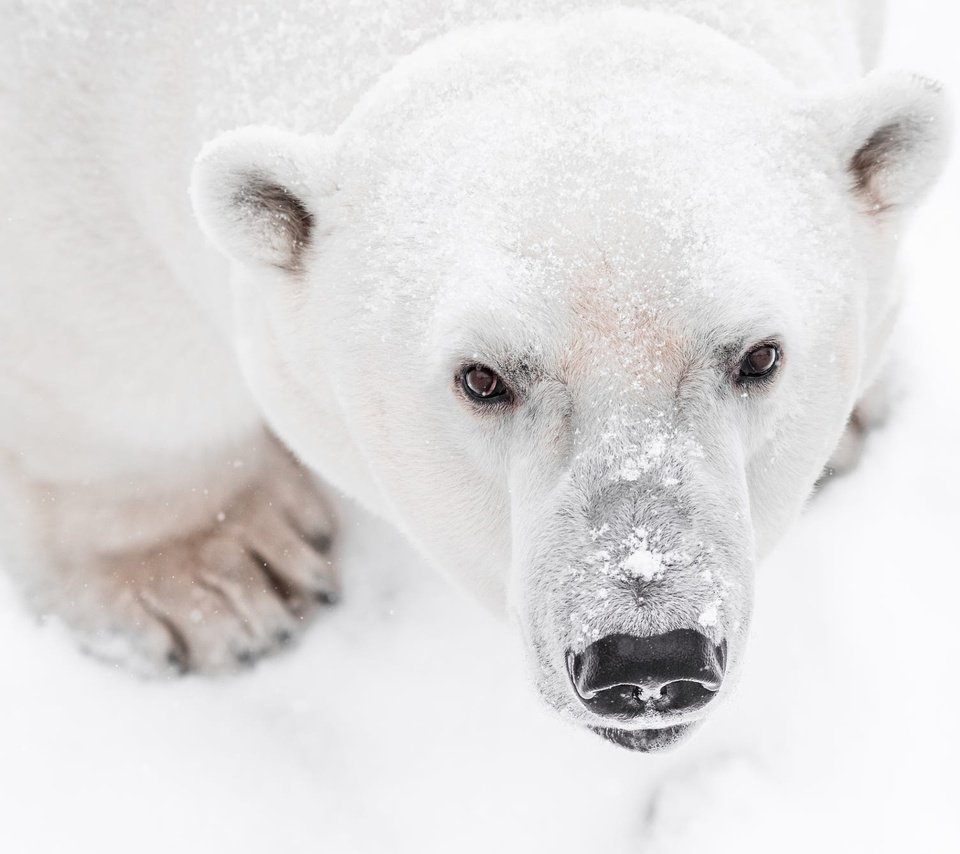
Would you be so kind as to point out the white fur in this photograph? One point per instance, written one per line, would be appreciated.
(595, 201)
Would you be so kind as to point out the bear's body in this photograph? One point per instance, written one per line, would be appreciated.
(137, 378)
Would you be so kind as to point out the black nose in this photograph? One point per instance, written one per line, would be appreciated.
(623, 676)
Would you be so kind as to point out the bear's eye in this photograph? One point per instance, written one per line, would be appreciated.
(484, 385)
(760, 362)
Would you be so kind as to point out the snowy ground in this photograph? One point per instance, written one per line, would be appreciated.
(403, 722)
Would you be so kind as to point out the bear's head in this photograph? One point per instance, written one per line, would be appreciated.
(584, 308)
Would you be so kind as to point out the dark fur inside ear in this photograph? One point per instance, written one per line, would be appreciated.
(285, 221)
(882, 151)
(892, 138)
(255, 193)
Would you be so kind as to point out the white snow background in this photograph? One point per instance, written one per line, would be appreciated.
(405, 722)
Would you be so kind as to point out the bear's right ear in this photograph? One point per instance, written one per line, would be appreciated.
(254, 192)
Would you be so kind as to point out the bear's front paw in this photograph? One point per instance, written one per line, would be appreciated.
(215, 599)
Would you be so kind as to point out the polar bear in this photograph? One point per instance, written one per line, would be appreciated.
(580, 297)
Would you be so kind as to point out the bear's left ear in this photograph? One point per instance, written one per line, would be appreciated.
(255, 192)
(892, 134)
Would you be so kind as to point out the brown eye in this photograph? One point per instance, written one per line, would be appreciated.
(760, 362)
(483, 384)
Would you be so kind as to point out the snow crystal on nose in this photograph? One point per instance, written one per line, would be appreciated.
(643, 564)
(709, 616)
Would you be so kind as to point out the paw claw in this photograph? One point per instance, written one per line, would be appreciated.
(327, 597)
(177, 662)
(321, 543)
(218, 599)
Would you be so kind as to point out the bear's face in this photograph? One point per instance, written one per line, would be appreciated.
(592, 320)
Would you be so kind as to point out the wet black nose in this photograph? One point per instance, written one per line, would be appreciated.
(623, 676)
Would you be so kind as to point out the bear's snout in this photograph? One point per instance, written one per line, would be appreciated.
(627, 677)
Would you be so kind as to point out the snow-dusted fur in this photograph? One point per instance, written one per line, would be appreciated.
(607, 205)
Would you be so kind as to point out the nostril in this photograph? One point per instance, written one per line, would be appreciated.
(624, 676)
